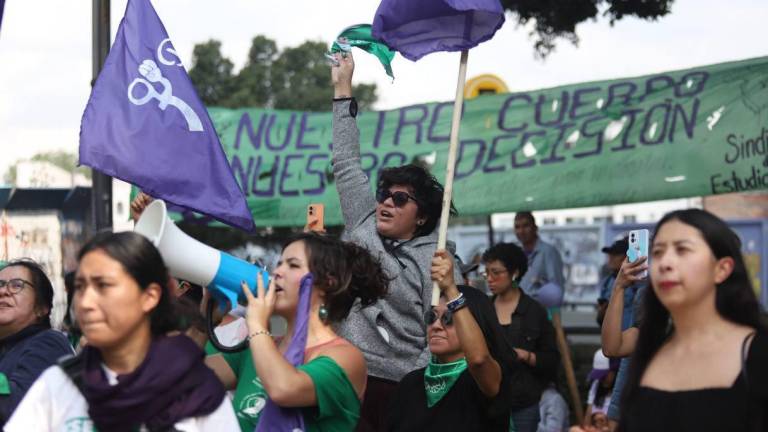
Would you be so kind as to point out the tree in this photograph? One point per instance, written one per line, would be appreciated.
(295, 78)
(558, 18)
(212, 72)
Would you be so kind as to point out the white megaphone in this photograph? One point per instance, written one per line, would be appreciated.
(190, 260)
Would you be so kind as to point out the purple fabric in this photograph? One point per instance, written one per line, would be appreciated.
(418, 28)
(597, 374)
(275, 418)
(171, 384)
(2, 6)
(144, 124)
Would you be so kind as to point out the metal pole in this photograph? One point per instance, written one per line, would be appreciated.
(491, 234)
(101, 192)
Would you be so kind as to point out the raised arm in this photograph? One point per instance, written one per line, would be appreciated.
(351, 182)
(482, 366)
(618, 343)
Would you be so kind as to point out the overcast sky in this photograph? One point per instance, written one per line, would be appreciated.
(45, 53)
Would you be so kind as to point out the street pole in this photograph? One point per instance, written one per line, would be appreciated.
(101, 192)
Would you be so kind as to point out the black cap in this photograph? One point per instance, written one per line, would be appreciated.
(619, 247)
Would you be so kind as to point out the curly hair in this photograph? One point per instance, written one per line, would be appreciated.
(426, 189)
(343, 271)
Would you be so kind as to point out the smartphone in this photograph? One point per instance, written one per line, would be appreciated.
(315, 214)
(638, 246)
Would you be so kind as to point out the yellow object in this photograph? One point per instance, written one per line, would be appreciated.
(484, 84)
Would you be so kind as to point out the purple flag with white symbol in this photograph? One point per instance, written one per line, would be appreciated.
(145, 124)
(417, 28)
(275, 418)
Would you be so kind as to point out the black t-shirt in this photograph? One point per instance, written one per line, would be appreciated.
(743, 407)
(463, 408)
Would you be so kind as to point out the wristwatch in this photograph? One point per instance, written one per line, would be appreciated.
(352, 105)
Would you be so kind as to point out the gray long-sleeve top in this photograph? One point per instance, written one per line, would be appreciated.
(391, 333)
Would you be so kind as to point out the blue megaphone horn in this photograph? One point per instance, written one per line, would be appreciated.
(193, 261)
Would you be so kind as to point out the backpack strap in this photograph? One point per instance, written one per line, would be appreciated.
(73, 366)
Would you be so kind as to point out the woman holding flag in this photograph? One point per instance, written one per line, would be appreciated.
(311, 379)
(467, 382)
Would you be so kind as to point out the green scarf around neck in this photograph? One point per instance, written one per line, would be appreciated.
(439, 378)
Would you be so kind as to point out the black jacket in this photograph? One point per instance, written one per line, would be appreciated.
(531, 330)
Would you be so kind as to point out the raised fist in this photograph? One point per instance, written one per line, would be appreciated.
(150, 71)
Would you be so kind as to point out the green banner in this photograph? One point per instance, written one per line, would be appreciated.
(686, 133)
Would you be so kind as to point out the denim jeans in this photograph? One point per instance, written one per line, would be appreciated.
(525, 419)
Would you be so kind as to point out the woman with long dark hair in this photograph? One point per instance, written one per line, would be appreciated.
(311, 379)
(700, 362)
(130, 376)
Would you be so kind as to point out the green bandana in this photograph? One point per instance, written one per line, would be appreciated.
(360, 36)
(5, 387)
(440, 377)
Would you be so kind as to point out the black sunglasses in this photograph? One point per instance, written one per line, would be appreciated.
(399, 198)
(431, 316)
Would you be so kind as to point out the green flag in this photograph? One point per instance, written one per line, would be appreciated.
(360, 36)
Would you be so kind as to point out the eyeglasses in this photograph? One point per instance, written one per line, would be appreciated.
(493, 272)
(431, 316)
(399, 198)
(14, 285)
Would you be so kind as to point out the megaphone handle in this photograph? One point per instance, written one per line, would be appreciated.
(212, 334)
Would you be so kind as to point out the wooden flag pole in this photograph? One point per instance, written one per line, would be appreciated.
(449, 170)
(570, 377)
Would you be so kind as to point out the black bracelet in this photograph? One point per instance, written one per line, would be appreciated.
(352, 104)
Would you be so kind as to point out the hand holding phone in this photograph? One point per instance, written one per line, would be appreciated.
(638, 247)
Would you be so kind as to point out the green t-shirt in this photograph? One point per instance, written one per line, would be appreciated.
(338, 408)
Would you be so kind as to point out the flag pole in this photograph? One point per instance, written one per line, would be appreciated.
(449, 170)
(101, 190)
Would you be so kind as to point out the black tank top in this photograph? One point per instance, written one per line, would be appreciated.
(740, 407)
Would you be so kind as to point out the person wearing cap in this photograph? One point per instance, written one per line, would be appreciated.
(616, 253)
(601, 379)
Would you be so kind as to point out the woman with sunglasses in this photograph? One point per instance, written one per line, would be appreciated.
(130, 376)
(398, 225)
(28, 346)
(527, 328)
(465, 385)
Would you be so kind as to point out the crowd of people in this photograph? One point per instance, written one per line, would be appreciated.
(684, 348)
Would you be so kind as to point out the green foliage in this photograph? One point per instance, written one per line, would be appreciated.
(296, 78)
(558, 18)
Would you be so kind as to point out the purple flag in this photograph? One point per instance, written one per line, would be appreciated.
(417, 28)
(145, 124)
(2, 6)
(275, 418)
